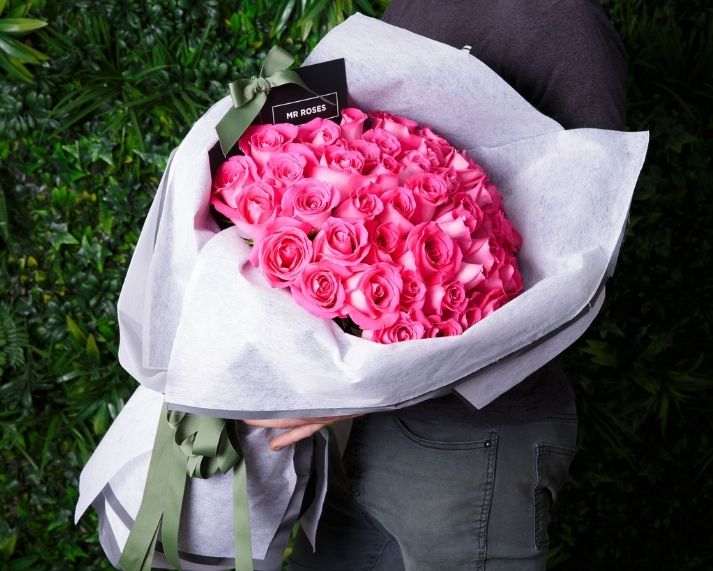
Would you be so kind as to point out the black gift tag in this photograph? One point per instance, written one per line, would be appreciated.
(291, 103)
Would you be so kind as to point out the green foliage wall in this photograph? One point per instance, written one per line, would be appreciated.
(81, 153)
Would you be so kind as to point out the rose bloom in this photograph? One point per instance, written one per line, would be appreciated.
(256, 206)
(342, 242)
(400, 127)
(373, 295)
(506, 276)
(481, 304)
(402, 200)
(319, 133)
(413, 294)
(283, 253)
(429, 190)
(319, 289)
(413, 162)
(405, 328)
(370, 152)
(387, 243)
(362, 204)
(387, 142)
(464, 207)
(343, 160)
(310, 200)
(232, 176)
(430, 250)
(445, 299)
(352, 123)
(487, 198)
(284, 169)
(443, 328)
(505, 233)
(381, 118)
(259, 141)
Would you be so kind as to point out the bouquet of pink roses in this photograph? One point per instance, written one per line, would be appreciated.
(390, 227)
(377, 223)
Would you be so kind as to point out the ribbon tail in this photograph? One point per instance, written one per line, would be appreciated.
(237, 120)
(241, 520)
(175, 487)
(140, 546)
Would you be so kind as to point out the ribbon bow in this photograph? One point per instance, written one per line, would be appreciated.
(249, 95)
(186, 445)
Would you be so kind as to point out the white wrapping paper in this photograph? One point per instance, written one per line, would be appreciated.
(231, 346)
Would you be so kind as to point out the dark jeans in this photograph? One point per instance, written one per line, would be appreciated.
(438, 492)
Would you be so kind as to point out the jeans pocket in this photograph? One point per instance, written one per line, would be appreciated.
(553, 464)
(446, 435)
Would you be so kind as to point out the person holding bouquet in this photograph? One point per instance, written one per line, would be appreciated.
(441, 485)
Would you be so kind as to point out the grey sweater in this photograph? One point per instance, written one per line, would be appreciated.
(567, 60)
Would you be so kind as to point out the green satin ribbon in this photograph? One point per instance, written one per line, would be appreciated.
(186, 446)
(249, 95)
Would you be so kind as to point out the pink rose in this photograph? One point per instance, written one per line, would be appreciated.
(259, 141)
(505, 233)
(387, 142)
(405, 328)
(458, 161)
(370, 152)
(451, 177)
(487, 197)
(352, 123)
(400, 127)
(443, 328)
(310, 200)
(363, 204)
(429, 190)
(413, 294)
(402, 200)
(343, 160)
(256, 206)
(472, 178)
(232, 176)
(283, 253)
(445, 149)
(464, 207)
(373, 296)
(319, 133)
(319, 289)
(454, 299)
(481, 304)
(387, 243)
(342, 242)
(381, 118)
(506, 276)
(413, 162)
(445, 299)
(284, 169)
(430, 250)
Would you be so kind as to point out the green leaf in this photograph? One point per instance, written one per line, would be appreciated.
(75, 331)
(20, 25)
(15, 68)
(21, 52)
(3, 3)
(92, 349)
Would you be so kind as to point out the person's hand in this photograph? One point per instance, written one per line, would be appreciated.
(296, 429)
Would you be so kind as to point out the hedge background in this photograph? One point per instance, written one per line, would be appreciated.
(81, 152)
